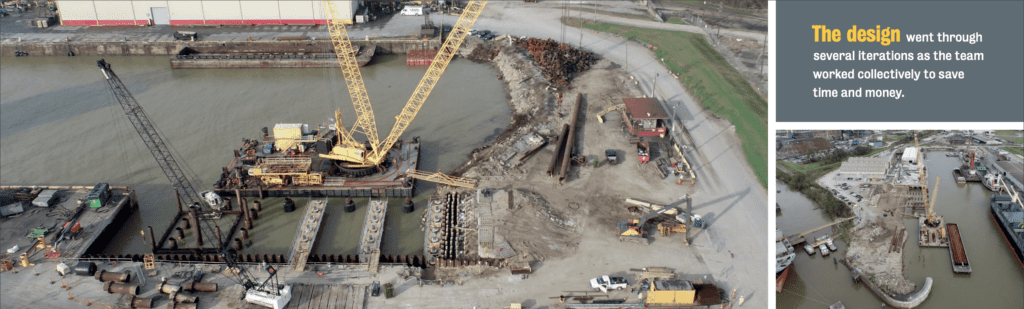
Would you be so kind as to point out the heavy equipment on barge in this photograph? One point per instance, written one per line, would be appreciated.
(329, 161)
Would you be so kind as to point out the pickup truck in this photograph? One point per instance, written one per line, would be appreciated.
(605, 283)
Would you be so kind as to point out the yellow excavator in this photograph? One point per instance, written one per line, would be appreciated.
(374, 151)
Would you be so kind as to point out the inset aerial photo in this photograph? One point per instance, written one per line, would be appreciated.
(928, 219)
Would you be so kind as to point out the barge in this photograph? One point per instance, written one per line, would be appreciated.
(271, 57)
(281, 166)
(1009, 216)
(70, 222)
(957, 252)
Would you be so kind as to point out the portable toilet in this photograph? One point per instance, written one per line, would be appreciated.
(99, 195)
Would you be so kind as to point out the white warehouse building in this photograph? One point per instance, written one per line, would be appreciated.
(863, 169)
(198, 12)
(910, 155)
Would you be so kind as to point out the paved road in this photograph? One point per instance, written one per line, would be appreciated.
(677, 27)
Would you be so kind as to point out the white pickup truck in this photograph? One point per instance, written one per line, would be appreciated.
(605, 283)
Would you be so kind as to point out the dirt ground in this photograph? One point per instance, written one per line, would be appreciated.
(869, 247)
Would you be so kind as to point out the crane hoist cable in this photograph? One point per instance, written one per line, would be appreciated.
(437, 67)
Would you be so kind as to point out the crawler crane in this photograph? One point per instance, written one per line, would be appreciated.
(374, 151)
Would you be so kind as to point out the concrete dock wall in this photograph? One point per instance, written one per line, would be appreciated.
(167, 48)
(912, 300)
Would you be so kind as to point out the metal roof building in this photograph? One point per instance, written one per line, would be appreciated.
(197, 12)
(645, 116)
(869, 168)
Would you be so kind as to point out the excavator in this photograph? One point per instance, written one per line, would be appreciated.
(634, 229)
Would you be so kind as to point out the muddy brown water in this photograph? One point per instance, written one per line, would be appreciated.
(58, 125)
(996, 282)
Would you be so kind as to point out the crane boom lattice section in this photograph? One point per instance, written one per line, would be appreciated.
(365, 121)
(443, 179)
(150, 136)
(430, 78)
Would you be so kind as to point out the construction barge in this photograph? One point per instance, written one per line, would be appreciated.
(266, 57)
(957, 253)
(87, 218)
(287, 164)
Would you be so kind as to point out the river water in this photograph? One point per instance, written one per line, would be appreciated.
(59, 125)
(996, 282)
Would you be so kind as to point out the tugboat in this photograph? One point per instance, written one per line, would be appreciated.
(824, 250)
(831, 246)
(991, 182)
(809, 248)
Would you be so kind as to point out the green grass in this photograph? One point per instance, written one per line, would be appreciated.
(1016, 150)
(875, 151)
(710, 80)
(889, 138)
(815, 170)
(1010, 136)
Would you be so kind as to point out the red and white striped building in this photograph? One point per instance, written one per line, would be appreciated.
(198, 12)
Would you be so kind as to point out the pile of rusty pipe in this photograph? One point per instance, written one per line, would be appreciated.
(570, 141)
(111, 276)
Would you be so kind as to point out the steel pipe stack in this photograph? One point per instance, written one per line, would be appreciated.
(168, 288)
(199, 286)
(139, 302)
(570, 141)
(179, 297)
(110, 276)
(121, 288)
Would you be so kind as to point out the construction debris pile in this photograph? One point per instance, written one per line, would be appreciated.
(483, 53)
(560, 62)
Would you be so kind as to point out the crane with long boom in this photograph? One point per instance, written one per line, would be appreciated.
(150, 136)
(348, 149)
(268, 292)
(929, 205)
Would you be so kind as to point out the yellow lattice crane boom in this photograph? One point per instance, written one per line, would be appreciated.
(348, 149)
(430, 78)
(929, 204)
(365, 121)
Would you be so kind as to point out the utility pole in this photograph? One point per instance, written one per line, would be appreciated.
(626, 44)
(654, 85)
(581, 25)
